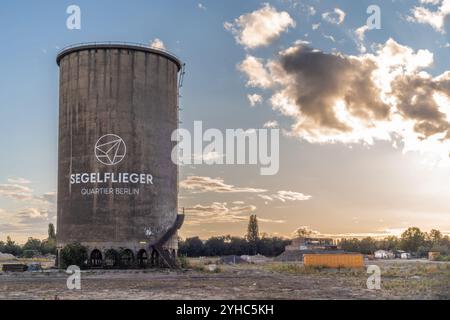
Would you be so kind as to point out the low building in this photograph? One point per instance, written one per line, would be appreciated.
(304, 243)
(383, 254)
(307, 245)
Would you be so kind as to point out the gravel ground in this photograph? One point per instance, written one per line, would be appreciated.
(400, 280)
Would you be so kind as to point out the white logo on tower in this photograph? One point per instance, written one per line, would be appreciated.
(110, 149)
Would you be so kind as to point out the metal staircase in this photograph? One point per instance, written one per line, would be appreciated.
(168, 260)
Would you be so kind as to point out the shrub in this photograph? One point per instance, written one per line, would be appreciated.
(183, 262)
(74, 254)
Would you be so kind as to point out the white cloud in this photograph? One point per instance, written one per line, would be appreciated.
(335, 17)
(333, 97)
(271, 124)
(254, 99)
(16, 191)
(201, 6)
(207, 184)
(221, 212)
(19, 181)
(157, 44)
(435, 18)
(285, 196)
(33, 214)
(360, 34)
(257, 74)
(261, 27)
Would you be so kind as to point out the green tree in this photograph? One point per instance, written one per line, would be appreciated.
(412, 239)
(367, 245)
(435, 237)
(350, 245)
(303, 232)
(215, 246)
(11, 247)
(51, 232)
(389, 243)
(253, 233)
(74, 254)
(192, 247)
(32, 245)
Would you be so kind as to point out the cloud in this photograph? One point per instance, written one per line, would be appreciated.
(435, 18)
(220, 212)
(333, 97)
(201, 6)
(311, 10)
(261, 27)
(19, 181)
(360, 34)
(257, 74)
(208, 156)
(16, 191)
(285, 196)
(30, 215)
(337, 16)
(207, 184)
(271, 124)
(48, 197)
(255, 99)
(157, 44)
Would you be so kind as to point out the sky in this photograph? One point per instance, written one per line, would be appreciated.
(364, 113)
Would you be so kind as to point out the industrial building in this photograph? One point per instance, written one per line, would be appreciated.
(117, 184)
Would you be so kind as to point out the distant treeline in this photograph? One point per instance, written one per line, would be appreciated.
(412, 240)
(227, 245)
(32, 247)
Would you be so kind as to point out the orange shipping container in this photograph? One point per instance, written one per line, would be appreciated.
(334, 260)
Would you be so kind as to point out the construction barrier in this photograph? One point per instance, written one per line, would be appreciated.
(334, 260)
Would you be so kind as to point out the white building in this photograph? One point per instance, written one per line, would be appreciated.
(383, 254)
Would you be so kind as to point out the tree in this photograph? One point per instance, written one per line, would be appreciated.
(74, 254)
(11, 247)
(215, 246)
(253, 233)
(303, 232)
(435, 237)
(51, 232)
(412, 239)
(350, 245)
(367, 245)
(192, 247)
(32, 244)
(389, 243)
(253, 229)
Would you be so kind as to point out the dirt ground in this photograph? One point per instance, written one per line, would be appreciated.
(400, 280)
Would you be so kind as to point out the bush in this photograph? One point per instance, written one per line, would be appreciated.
(183, 262)
(28, 254)
(74, 254)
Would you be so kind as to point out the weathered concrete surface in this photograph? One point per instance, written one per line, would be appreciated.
(133, 94)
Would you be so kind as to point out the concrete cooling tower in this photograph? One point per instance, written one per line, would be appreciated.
(117, 184)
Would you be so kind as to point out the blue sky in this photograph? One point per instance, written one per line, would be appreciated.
(389, 190)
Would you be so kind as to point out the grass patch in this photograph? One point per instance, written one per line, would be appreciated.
(290, 268)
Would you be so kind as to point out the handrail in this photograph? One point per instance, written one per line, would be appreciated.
(119, 43)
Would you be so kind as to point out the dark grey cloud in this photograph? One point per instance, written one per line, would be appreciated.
(322, 79)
